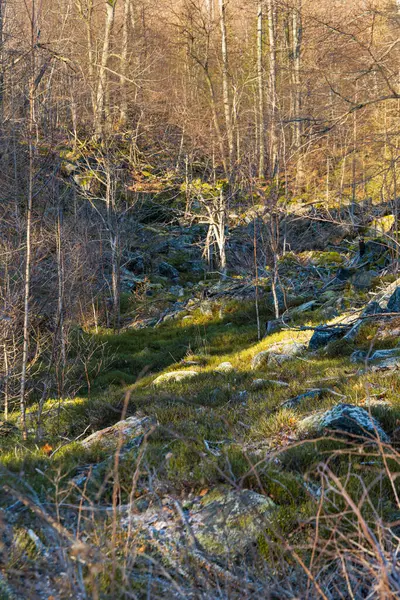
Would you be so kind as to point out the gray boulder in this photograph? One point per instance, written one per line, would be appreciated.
(345, 418)
(167, 270)
(323, 335)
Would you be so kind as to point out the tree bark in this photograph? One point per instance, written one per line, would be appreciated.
(102, 80)
(273, 135)
(260, 76)
(225, 80)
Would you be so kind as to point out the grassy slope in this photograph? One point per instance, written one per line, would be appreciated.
(217, 407)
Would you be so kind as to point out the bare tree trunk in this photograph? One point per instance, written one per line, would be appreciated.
(102, 82)
(6, 382)
(260, 76)
(273, 145)
(225, 79)
(2, 12)
(28, 255)
(113, 231)
(85, 10)
(297, 36)
(124, 62)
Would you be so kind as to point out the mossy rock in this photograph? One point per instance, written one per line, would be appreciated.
(230, 521)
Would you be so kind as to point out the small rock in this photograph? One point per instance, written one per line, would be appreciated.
(259, 384)
(174, 376)
(177, 290)
(315, 394)
(224, 367)
(358, 356)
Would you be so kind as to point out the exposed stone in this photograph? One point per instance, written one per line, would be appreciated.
(177, 290)
(346, 418)
(167, 270)
(389, 364)
(259, 384)
(174, 376)
(279, 352)
(323, 335)
(393, 304)
(379, 355)
(310, 394)
(228, 522)
(224, 367)
(358, 356)
(129, 431)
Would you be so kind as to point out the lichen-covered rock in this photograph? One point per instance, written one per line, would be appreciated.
(345, 418)
(227, 522)
(129, 431)
(224, 367)
(174, 376)
(279, 352)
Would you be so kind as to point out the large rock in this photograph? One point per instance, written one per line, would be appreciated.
(228, 522)
(323, 335)
(174, 376)
(167, 270)
(345, 418)
(130, 432)
(278, 353)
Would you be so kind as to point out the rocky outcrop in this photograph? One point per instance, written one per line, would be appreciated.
(343, 418)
